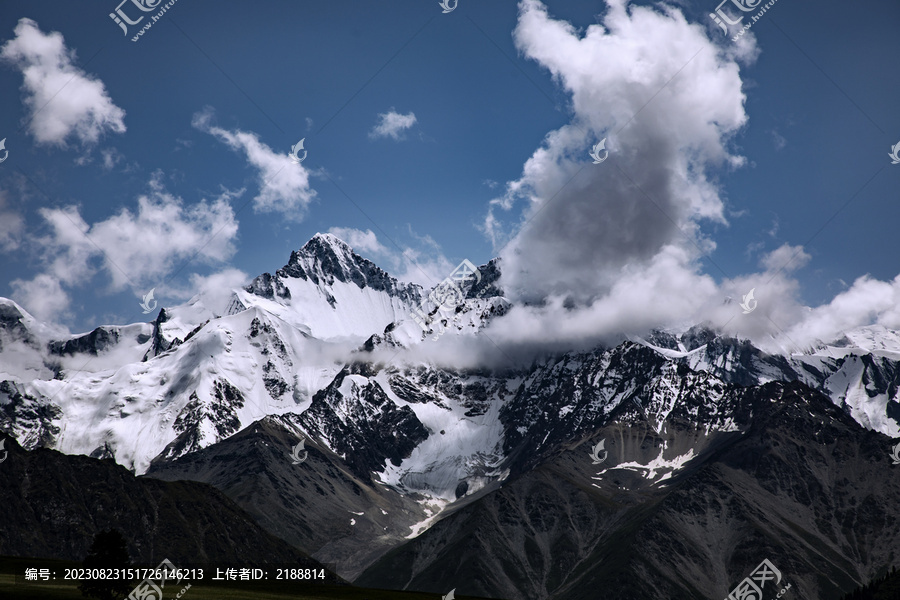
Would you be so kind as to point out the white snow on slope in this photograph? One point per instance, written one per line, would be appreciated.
(649, 471)
(134, 407)
(456, 446)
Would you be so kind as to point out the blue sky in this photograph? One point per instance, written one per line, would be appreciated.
(820, 120)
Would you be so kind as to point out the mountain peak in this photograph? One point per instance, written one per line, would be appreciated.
(324, 260)
(328, 238)
(327, 242)
(13, 314)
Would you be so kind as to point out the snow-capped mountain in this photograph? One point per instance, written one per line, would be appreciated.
(176, 385)
(294, 352)
(190, 379)
(328, 291)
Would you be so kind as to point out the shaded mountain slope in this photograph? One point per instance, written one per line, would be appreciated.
(798, 482)
(320, 505)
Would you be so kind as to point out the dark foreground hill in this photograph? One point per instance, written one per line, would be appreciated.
(886, 587)
(53, 504)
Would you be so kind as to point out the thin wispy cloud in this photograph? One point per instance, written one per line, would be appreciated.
(12, 225)
(779, 140)
(361, 241)
(111, 157)
(422, 262)
(213, 291)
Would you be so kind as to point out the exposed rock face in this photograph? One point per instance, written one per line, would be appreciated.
(93, 343)
(325, 259)
(362, 424)
(567, 528)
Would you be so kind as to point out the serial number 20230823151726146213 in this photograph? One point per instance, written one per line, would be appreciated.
(195, 574)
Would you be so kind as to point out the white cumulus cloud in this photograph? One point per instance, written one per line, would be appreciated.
(392, 124)
(599, 252)
(602, 250)
(284, 185)
(667, 101)
(62, 99)
(132, 248)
